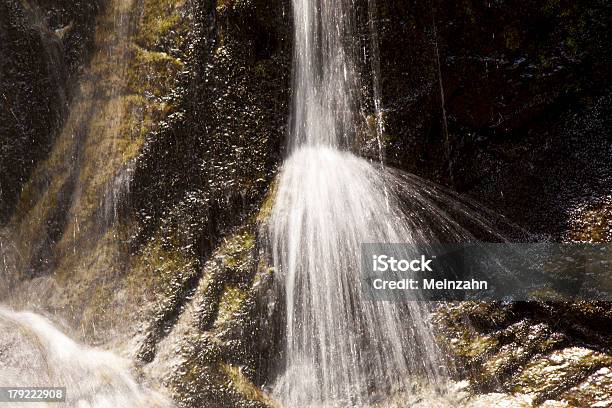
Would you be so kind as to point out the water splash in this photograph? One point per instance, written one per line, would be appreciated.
(36, 354)
(341, 349)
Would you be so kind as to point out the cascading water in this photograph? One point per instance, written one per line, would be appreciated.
(340, 349)
(36, 354)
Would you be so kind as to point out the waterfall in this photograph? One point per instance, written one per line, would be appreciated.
(342, 350)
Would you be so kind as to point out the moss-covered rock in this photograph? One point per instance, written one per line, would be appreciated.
(66, 222)
(523, 351)
(43, 46)
(222, 337)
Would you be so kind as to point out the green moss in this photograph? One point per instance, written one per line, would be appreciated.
(462, 339)
(205, 380)
(119, 118)
(245, 387)
(35, 207)
(472, 345)
(545, 374)
(161, 19)
(152, 72)
(159, 270)
(265, 209)
(231, 300)
(237, 249)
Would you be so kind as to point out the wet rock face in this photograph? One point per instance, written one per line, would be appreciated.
(214, 159)
(224, 344)
(197, 184)
(43, 44)
(526, 94)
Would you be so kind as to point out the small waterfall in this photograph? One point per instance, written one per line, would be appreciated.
(36, 354)
(340, 349)
(117, 192)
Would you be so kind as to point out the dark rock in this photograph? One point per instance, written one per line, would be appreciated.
(214, 161)
(43, 45)
(526, 88)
